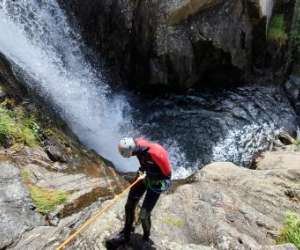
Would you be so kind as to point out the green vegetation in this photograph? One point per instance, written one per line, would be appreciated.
(46, 200)
(26, 176)
(290, 233)
(277, 30)
(16, 127)
(172, 221)
(58, 135)
(297, 144)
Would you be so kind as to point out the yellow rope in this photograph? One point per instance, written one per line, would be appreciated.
(93, 218)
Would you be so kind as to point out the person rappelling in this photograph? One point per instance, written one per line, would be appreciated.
(155, 164)
(153, 177)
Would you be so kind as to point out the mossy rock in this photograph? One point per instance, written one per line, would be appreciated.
(46, 200)
(17, 128)
(277, 30)
(173, 221)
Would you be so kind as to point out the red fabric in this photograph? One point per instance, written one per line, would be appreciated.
(159, 155)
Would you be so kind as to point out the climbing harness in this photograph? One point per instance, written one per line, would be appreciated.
(157, 186)
(97, 215)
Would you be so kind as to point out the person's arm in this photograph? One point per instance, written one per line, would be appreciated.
(139, 151)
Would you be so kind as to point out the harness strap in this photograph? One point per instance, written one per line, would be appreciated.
(157, 186)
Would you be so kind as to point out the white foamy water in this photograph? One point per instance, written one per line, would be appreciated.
(35, 35)
(240, 145)
(267, 8)
(182, 168)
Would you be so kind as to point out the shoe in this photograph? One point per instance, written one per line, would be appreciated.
(146, 237)
(148, 244)
(124, 235)
(122, 238)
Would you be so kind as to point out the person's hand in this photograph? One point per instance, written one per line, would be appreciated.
(141, 174)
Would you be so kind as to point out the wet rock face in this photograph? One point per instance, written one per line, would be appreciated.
(16, 210)
(8, 79)
(292, 89)
(177, 44)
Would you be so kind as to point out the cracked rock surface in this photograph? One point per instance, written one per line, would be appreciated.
(16, 210)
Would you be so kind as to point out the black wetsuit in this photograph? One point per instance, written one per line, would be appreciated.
(154, 174)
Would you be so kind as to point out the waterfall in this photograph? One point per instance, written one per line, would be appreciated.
(267, 8)
(36, 36)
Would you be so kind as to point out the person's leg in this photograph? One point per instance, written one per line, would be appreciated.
(149, 202)
(136, 192)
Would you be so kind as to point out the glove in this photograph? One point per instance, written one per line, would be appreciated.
(139, 173)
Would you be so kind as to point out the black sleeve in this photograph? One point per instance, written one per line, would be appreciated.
(139, 151)
(141, 169)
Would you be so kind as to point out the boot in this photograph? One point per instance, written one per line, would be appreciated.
(124, 235)
(146, 223)
(122, 238)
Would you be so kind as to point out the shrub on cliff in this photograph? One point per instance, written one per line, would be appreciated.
(7, 127)
(277, 30)
(46, 200)
(290, 233)
(15, 127)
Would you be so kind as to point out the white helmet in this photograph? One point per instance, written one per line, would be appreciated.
(126, 147)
